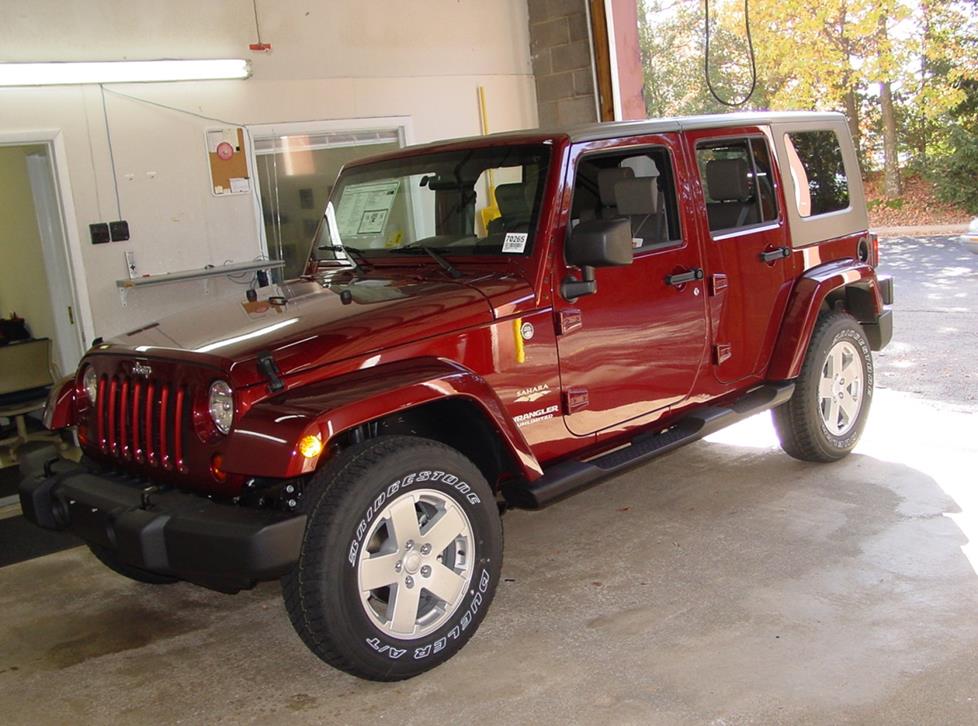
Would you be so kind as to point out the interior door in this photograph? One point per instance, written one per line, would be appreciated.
(637, 344)
(747, 253)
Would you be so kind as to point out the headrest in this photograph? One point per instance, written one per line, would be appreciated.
(637, 196)
(641, 165)
(511, 199)
(728, 179)
(606, 183)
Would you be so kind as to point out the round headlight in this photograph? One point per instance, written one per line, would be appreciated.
(220, 404)
(90, 383)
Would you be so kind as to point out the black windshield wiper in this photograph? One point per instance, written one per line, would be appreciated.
(442, 262)
(356, 257)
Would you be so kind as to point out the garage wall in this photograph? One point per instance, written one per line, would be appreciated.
(335, 60)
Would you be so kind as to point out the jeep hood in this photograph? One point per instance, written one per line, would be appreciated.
(305, 324)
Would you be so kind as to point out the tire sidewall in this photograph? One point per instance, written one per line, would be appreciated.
(420, 467)
(848, 330)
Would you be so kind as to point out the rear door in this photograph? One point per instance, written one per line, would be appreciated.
(748, 276)
(637, 344)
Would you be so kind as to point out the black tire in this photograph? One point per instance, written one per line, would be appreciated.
(799, 423)
(345, 501)
(133, 573)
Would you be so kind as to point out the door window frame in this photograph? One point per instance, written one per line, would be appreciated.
(402, 125)
(763, 226)
(635, 148)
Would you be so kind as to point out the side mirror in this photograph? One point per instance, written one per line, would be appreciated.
(596, 243)
(600, 243)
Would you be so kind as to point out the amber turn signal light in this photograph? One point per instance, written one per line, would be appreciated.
(217, 467)
(310, 446)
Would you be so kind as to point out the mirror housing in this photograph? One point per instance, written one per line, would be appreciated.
(596, 243)
(600, 243)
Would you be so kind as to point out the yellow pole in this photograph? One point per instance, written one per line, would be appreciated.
(490, 211)
(518, 340)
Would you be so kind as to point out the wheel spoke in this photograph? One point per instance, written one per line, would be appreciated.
(404, 521)
(833, 419)
(850, 404)
(378, 571)
(444, 584)
(444, 529)
(852, 370)
(837, 360)
(403, 609)
(825, 387)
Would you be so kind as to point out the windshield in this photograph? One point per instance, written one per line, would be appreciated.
(481, 201)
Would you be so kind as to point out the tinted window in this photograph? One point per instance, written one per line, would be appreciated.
(817, 169)
(737, 182)
(638, 185)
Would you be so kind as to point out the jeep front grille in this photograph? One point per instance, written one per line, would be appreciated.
(142, 420)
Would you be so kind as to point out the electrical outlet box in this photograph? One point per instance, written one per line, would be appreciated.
(100, 233)
(119, 231)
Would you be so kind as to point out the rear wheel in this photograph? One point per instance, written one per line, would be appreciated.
(400, 560)
(108, 558)
(826, 415)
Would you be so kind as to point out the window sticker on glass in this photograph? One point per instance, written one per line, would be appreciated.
(363, 209)
(515, 242)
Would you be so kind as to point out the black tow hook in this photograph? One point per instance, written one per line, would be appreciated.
(146, 493)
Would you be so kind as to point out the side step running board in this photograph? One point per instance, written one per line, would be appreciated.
(567, 477)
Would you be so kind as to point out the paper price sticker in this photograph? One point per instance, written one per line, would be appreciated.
(515, 242)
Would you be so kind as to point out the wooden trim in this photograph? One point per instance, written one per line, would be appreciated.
(602, 60)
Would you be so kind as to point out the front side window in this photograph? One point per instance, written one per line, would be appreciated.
(818, 172)
(483, 201)
(638, 185)
(737, 183)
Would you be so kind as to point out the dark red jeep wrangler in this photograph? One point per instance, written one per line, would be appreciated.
(499, 320)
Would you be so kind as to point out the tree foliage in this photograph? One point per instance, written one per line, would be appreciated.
(844, 55)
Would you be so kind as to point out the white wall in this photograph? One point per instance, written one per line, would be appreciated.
(330, 60)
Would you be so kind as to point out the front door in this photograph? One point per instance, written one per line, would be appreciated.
(746, 250)
(636, 345)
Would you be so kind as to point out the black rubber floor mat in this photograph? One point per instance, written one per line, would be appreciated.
(20, 540)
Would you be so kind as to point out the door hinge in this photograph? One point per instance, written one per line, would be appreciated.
(575, 399)
(71, 316)
(721, 352)
(718, 283)
(569, 320)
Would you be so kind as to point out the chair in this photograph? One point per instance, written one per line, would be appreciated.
(25, 379)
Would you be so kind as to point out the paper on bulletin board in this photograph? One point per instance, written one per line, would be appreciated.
(228, 162)
(364, 208)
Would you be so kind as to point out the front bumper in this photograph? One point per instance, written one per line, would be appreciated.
(220, 546)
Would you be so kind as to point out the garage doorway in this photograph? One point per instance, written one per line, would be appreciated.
(37, 276)
(296, 165)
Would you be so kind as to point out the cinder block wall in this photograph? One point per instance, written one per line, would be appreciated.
(560, 49)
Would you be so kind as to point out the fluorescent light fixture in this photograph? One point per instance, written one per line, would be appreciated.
(154, 71)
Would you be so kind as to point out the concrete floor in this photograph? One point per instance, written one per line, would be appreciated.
(725, 583)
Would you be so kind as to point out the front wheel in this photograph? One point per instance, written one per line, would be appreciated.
(824, 418)
(401, 558)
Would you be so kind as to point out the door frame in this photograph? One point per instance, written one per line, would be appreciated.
(71, 246)
(402, 124)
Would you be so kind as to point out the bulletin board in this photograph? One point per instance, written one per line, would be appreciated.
(228, 162)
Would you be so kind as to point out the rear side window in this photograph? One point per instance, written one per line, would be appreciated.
(818, 171)
(737, 181)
